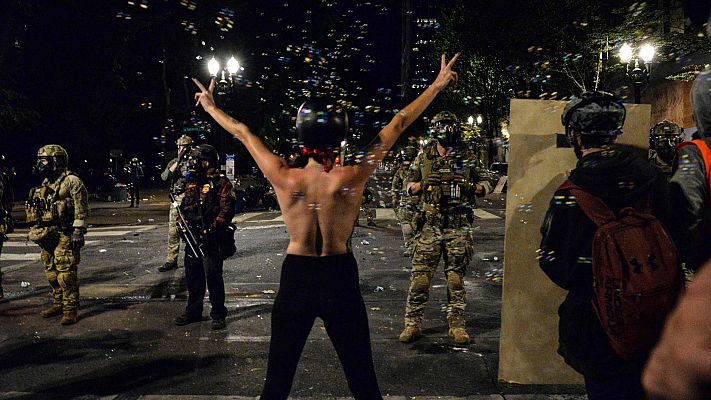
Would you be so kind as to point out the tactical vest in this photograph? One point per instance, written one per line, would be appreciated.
(51, 204)
(446, 197)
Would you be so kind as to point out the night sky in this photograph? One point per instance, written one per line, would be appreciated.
(100, 75)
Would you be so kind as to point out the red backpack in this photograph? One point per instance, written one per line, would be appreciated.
(636, 274)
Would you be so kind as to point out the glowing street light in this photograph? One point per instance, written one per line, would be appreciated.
(625, 53)
(638, 74)
(470, 120)
(479, 119)
(213, 66)
(224, 82)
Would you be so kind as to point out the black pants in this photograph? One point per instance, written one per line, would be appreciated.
(623, 387)
(325, 287)
(198, 272)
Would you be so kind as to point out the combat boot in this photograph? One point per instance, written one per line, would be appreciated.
(53, 311)
(410, 334)
(167, 267)
(69, 318)
(459, 334)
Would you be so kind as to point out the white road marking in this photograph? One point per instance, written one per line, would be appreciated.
(33, 246)
(481, 214)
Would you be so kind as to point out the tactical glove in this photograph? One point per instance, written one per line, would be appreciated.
(77, 239)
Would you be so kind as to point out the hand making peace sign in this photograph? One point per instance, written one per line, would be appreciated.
(204, 97)
(446, 75)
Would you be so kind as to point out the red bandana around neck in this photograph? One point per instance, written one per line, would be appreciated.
(325, 155)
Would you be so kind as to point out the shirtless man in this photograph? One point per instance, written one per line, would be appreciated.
(320, 205)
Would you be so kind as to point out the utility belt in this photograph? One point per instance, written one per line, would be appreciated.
(452, 219)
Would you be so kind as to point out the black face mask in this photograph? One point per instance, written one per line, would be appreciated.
(42, 170)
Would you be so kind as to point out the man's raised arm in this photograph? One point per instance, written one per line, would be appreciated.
(389, 135)
(268, 162)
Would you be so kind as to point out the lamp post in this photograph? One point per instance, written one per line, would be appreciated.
(225, 82)
(638, 74)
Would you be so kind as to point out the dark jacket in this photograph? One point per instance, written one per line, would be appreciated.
(209, 204)
(690, 207)
(620, 177)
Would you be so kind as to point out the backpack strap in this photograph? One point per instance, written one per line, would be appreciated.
(592, 206)
(706, 155)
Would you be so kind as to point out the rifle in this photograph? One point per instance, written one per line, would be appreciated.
(187, 234)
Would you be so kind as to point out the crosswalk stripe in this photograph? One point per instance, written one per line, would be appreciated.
(20, 257)
(478, 212)
(33, 246)
(97, 231)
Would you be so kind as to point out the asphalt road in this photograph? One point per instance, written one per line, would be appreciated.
(126, 346)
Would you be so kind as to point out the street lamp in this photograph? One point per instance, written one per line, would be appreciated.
(479, 119)
(233, 67)
(470, 120)
(638, 74)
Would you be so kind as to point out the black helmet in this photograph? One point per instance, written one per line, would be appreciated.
(207, 152)
(664, 138)
(321, 123)
(595, 113)
(445, 128)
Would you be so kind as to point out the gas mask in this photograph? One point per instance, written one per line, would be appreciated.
(447, 134)
(43, 170)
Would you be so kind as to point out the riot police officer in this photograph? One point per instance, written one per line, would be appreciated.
(664, 138)
(447, 185)
(56, 212)
(175, 174)
(135, 174)
(404, 205)
(207, 208)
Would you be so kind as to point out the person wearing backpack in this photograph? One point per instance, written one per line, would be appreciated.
(614, 192)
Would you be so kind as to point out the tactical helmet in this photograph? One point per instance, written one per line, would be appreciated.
(595, 113)
(445, 128)
(56, 154)
(408, 154)
(207, 152)
(664, 137)
(321, 124)
(184, 140)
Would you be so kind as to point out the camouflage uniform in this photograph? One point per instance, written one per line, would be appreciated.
(405, 207)
(369, 212)
(54, 210)
(177, 188)
(448, 192)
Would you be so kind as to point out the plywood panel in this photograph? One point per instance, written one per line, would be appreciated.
(529, 318)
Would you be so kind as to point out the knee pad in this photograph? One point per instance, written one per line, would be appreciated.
(420, 283)
(455, 281)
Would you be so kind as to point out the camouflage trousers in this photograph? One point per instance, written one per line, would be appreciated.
(406, 217)
(454, 246)
(60, 262)
(369, 213)
(173, 236)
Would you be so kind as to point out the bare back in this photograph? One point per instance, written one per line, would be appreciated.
(319, 208)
